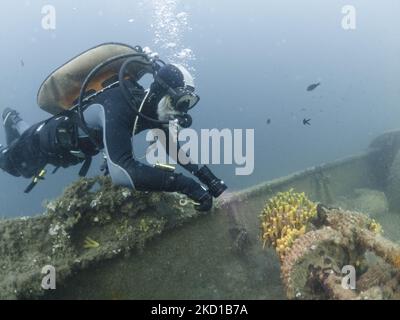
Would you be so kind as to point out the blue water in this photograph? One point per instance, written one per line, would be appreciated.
(253, 61)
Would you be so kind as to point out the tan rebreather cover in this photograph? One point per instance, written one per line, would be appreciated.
(61, 89)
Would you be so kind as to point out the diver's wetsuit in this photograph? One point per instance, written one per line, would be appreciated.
(110, 112)
(111, 116)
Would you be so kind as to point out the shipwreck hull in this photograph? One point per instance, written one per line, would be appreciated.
(213, 256)
(219, 256)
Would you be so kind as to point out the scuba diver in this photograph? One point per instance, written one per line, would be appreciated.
(105, 120)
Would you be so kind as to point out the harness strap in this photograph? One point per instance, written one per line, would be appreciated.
(85, 167)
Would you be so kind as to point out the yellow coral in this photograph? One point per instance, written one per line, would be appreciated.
(144, 226)
(89, 243)
(375, 227)
(284, 219)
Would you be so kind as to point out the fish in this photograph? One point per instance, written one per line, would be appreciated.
(306, 122)
(268, 121)
(313, 86)
(22, 63)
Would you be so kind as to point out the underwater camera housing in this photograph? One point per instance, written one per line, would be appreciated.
(215, 185)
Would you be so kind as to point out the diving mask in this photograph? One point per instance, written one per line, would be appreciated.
(183, 99)
(178, 84)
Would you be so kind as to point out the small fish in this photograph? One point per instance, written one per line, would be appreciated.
(22, 63)
(268, 121)
(306, 122)
(313, 86)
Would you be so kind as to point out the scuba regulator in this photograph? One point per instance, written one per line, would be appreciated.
(182, 97)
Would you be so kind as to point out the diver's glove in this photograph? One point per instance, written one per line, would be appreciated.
(216, 186)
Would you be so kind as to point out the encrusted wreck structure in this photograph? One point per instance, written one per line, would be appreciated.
(316, 243)
(108, 242)
(92, 221)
